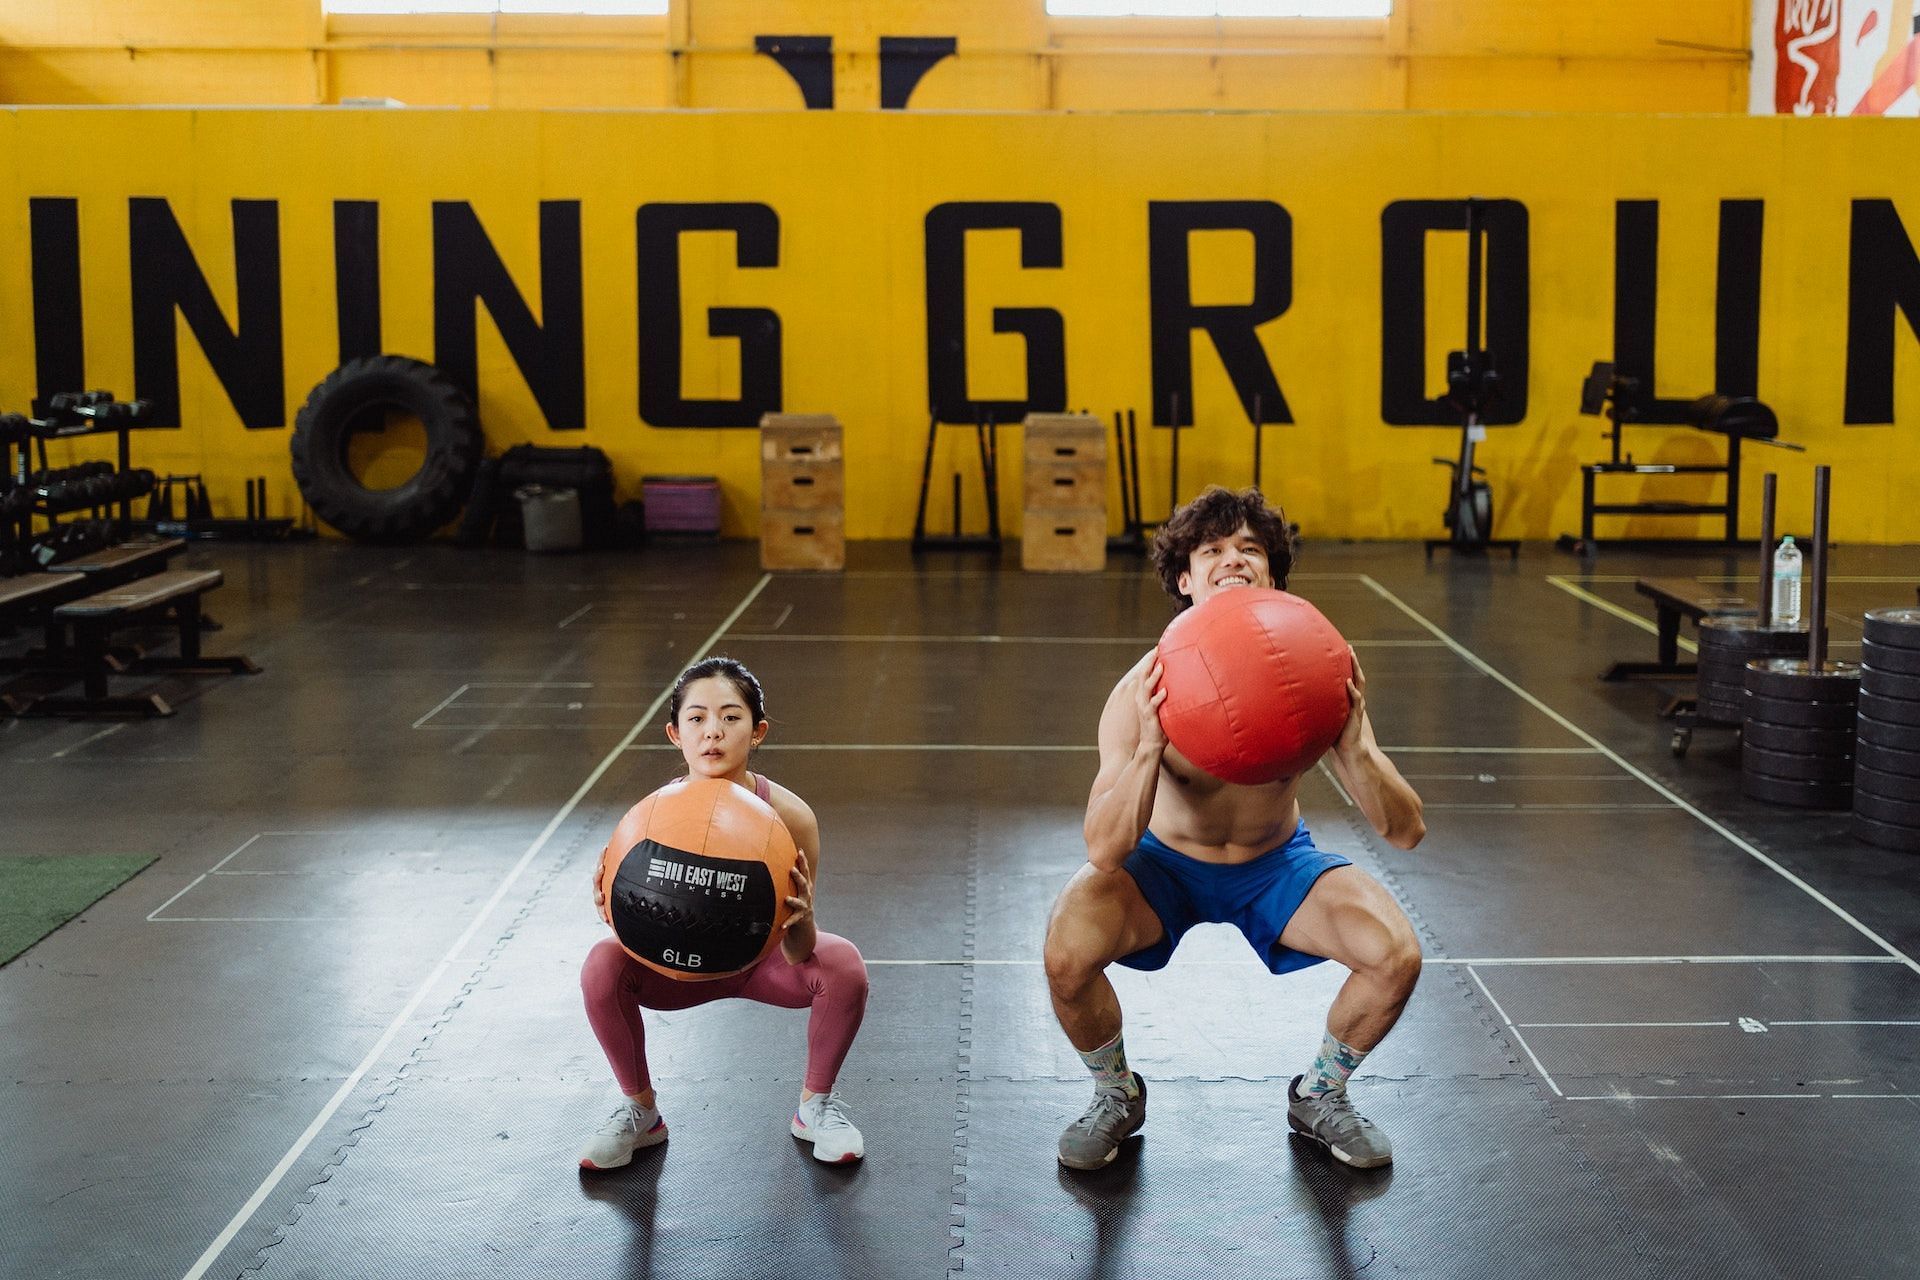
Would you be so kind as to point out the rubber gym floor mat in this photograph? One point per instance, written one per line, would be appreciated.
(1227, 1019)
(134, 1179)
(1623, 883)
(39, 893)
(466, 1180)
(1760, 1187)
(1482, 1184)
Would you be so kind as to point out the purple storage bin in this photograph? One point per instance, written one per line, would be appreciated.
(681, 504)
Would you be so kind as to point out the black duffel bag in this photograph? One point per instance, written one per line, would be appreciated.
(493, 514)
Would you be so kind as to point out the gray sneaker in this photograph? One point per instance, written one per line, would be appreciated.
(1331, 1121)
(1092, 1141)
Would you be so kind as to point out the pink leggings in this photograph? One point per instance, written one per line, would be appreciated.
(832, 982)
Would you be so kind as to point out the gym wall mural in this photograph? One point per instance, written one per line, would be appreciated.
(1835, 57)
(652, 283)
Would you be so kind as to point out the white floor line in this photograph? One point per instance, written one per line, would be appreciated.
(153, 914)
(1908, 1096)
(1494, 751)
(1690, 1097)
(1336, 784)
(1493, 806)
(450, 700)
(347, 1086)
(573, 617)
(1651, 782)
(1625, 615)
(1542, 1025)
(891, 746)
(1520, 1039)
(1844, 1022)
(1136, 642)
(1491, 961)
(89, 740)
(1488, 962)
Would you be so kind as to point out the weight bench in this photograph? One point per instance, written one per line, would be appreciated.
(93, 619)
(122, 563)
(1673, 599)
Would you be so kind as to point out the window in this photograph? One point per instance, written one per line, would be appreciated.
(1219, 8)
(497, 6)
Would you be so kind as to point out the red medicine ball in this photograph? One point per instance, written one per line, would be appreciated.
(1256, 684)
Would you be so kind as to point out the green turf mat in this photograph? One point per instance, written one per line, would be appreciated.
(38, 895)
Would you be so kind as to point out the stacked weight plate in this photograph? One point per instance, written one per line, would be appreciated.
(1728, 642)
(1796, 742)
(1886, 781)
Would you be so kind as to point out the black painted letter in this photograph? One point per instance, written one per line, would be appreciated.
(1232, 329)
(756, 229)
(1045, 332)
(247, 358)
(59, 358)
(1883, 276)
(1403, 309)
(1736, 306)
(550, 353)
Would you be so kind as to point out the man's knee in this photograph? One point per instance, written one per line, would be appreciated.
(1400, 962)
(1073, 955)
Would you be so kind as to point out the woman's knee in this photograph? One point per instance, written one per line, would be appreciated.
(604, 969)
(840, 964)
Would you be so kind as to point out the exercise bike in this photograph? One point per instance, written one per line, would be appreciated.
(1473, 383)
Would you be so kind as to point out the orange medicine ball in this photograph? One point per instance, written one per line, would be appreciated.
(1256, 685)
(696, 879)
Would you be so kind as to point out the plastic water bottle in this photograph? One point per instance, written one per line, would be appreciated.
(1786, 584)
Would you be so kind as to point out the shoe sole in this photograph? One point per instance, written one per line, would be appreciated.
(1111, 1155)
(852, 1157)
(1336, 1152)
(649, 1140)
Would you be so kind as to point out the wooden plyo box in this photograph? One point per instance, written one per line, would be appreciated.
(803, 492)
(803, 540)
(1064, 541)
(1064, 524)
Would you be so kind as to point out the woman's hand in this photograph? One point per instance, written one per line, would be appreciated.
(599, 894)
(800, 901)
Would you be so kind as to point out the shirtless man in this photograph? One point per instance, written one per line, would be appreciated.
(1169, 847)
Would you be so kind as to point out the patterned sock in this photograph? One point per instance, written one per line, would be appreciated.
(1332, 1068)
(1109, 1066)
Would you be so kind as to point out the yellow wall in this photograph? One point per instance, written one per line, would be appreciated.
(1448, 55)
(852, 192)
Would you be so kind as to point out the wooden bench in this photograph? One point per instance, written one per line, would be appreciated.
(28, 600)
(1674, 599)
(124, 562)
(93, 619)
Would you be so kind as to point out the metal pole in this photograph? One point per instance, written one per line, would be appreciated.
(1120, 457)
(1817, 617)
(1133, 453)
(1767, 486)
(1173, 488)
(1259, 423)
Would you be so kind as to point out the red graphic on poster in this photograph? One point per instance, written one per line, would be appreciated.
(1806, 41)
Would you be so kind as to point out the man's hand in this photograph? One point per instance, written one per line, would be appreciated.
(599, 895)
(1352, 734)
(1147, 697)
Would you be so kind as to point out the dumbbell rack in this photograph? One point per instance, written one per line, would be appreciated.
(89, 486)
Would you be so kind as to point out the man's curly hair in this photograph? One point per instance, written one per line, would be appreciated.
(1216, 513)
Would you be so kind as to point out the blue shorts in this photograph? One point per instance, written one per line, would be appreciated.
(1257, 897)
